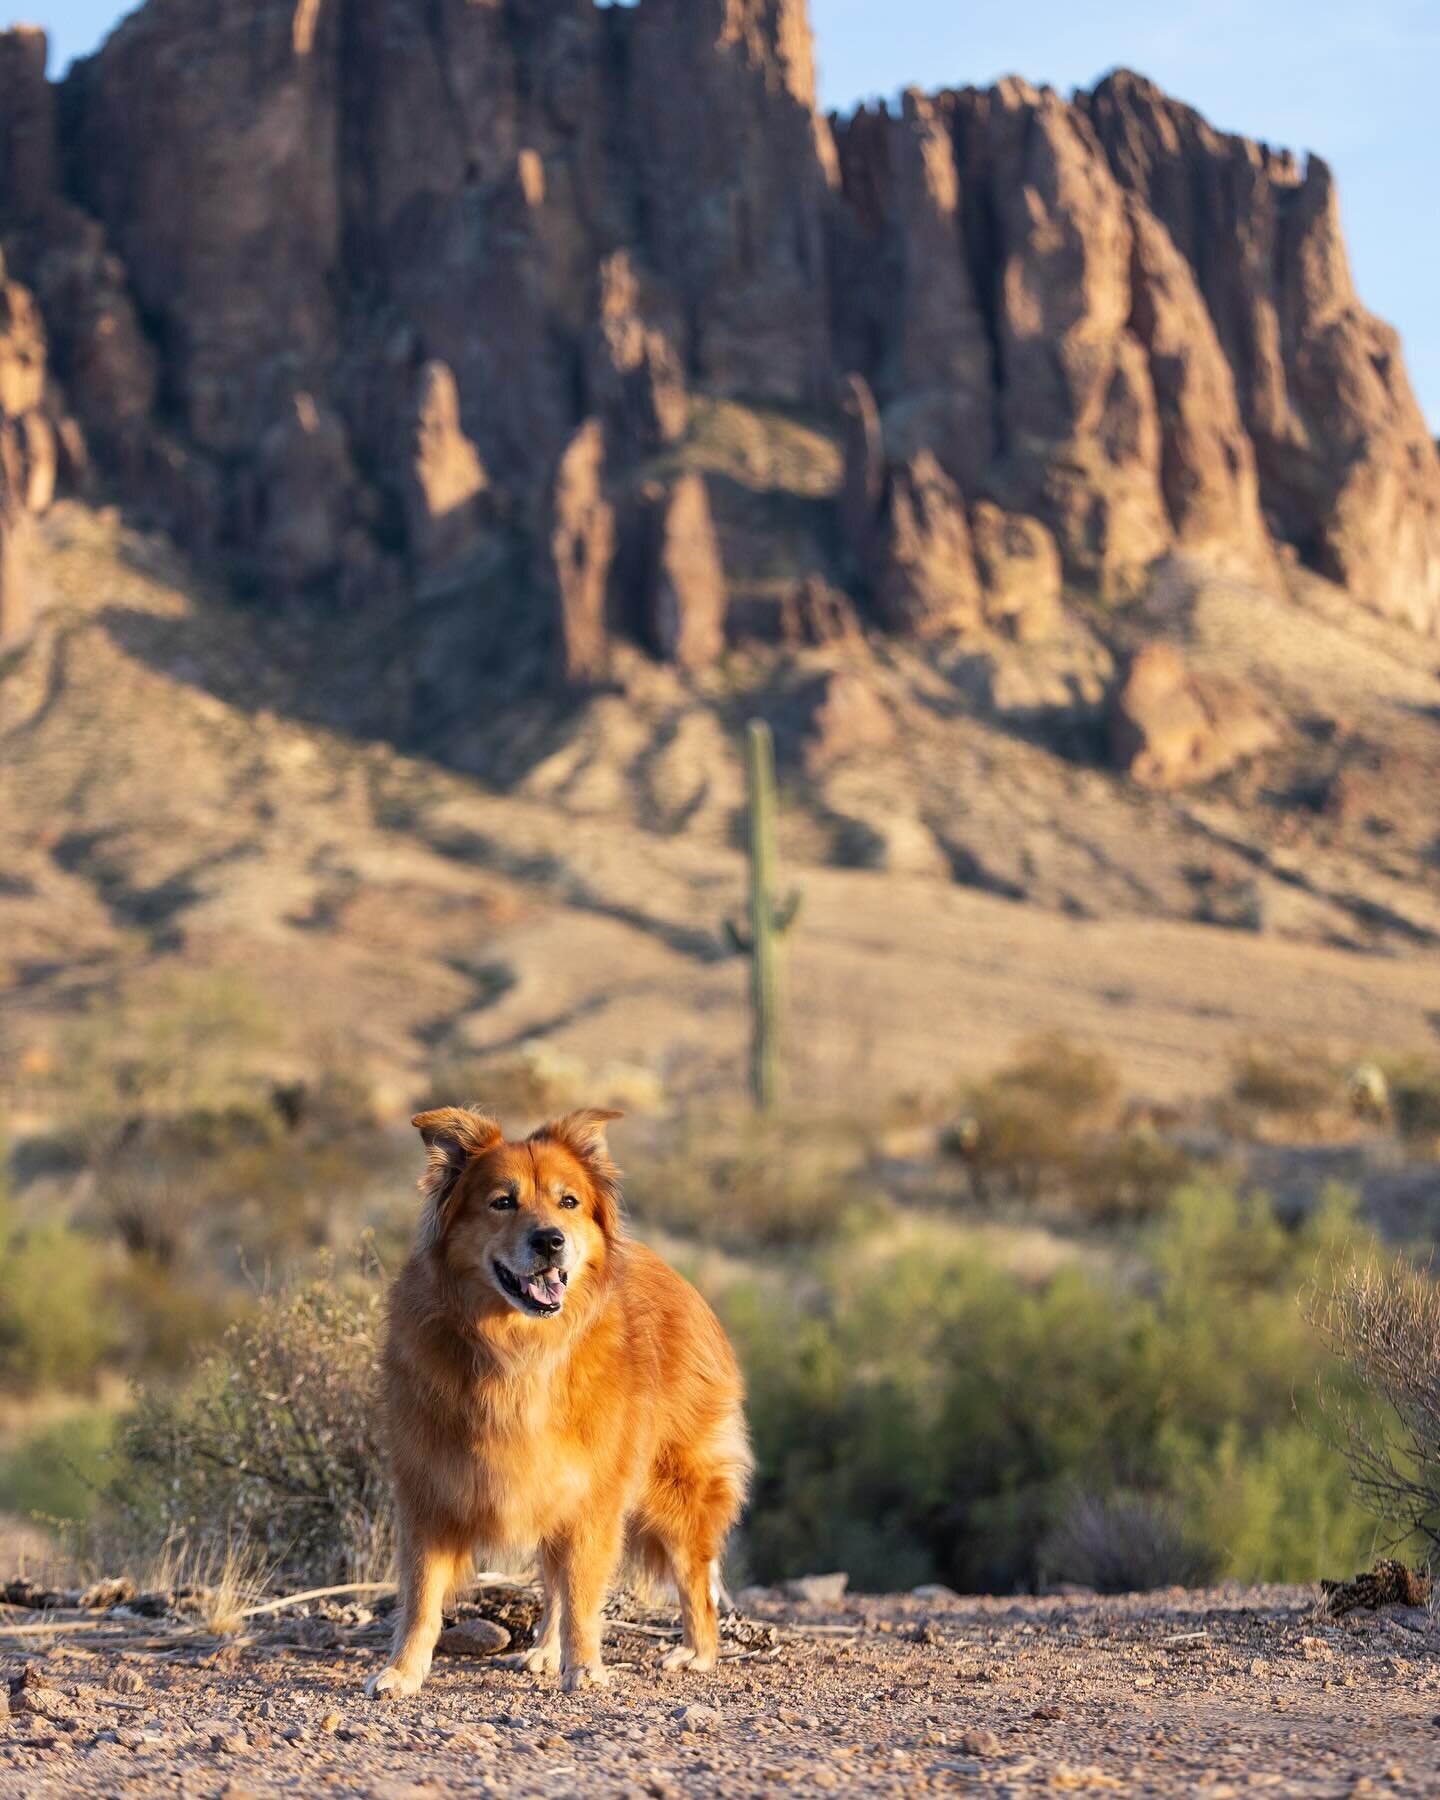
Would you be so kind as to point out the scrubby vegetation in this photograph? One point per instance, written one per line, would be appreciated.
(54, 1469)
(764, 1184)
(1283, 1091)
(276, 1444)
(1022, 1333)
(920, 1415)
(1382, 1320)
(1052, 1127)
(928, 1416)
(1413, 1085)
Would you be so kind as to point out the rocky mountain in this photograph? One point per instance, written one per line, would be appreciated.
(346, 292)
(427, 433)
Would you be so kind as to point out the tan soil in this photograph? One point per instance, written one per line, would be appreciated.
(1209, 1693)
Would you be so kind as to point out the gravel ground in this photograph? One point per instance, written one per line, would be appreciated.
(1208, 1693)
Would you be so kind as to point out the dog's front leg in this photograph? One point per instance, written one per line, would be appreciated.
(585, 1559)
(427, 1573)
(543, 1656)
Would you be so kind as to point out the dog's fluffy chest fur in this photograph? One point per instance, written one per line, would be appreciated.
(512, 1447)
(519, 1467)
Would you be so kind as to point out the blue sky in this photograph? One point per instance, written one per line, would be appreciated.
(1357, 80)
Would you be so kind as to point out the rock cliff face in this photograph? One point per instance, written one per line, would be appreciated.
(338, 291)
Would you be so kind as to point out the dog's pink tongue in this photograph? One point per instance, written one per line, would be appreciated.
(545, 1290)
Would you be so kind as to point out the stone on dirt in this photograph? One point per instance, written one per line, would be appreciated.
(474, 1637)
(817, 1590)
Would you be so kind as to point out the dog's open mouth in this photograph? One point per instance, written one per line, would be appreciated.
(542, 1294)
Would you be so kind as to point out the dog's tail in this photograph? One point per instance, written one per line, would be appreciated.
(647, 1574)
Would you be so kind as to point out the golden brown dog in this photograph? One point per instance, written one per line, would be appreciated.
(552, 1386)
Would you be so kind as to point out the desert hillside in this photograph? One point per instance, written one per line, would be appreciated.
(169, 805)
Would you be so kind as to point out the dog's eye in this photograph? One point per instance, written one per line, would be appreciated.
(569, 1201)
(504, 1203)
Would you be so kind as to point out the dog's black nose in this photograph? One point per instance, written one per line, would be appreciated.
(547, 1241)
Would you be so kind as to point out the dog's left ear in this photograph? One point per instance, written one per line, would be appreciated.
(583, 1135)
(452, 1135)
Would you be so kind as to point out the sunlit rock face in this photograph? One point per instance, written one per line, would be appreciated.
(337, 292)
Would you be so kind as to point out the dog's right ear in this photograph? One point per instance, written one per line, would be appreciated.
(453, 1135)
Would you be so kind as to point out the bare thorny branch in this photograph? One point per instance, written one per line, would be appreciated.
(1383, 1323)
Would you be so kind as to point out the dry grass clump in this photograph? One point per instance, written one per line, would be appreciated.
(193, 1043)
(536, 1081)
(1383, 1323)
(277, 1445)
(237, 1582)
(218, 1582)
(1119, 1544)
(1413, 1085)
(1290, 1080)
(769, 1184)
(1049, 1126)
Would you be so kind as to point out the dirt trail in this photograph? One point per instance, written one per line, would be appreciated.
(1210, 1693)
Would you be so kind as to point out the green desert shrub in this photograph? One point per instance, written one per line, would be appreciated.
(957, 1411)
(58, 1324)
(74, 1304)
(170, 1317)
(1278, 1507)
(56, 1471)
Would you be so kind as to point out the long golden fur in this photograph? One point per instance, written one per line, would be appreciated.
(552, 1387)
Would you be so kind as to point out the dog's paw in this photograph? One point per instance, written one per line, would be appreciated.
(683, 1657)
(539, 1661)
(584, 1675)
(394, 1683)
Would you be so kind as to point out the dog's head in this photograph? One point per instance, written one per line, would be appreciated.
(531, 1221)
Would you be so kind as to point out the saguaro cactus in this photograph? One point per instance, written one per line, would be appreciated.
(769, 919)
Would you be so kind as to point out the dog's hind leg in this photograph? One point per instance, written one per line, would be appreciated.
(694, 1511)
(427, 1573)
(697, 1577)
(543, 1656)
